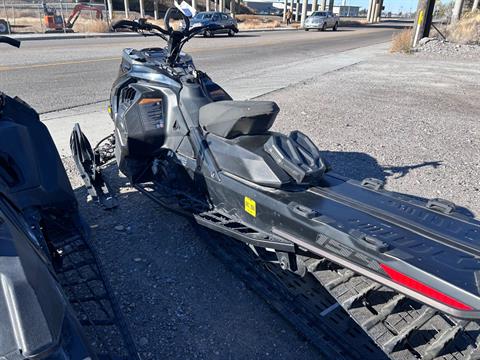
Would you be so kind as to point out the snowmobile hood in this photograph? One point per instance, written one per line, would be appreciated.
(32, 308)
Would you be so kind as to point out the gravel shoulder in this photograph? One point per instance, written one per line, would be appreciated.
(404, 119)
(442, 49)
(411, 122)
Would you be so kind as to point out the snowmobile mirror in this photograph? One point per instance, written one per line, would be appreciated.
(10, 41)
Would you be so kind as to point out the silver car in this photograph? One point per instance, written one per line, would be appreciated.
(322, 20)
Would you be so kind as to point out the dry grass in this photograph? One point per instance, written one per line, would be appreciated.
(401, 42)
(467, 30)
(35, 25)
(27, 24)
(247, 22)
(91, 26)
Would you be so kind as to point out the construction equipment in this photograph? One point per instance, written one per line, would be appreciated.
(182, 141)
(52, 289)
(54, 21)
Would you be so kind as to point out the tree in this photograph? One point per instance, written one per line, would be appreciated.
(443, 9)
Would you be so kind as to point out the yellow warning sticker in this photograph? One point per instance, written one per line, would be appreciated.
(250, 206)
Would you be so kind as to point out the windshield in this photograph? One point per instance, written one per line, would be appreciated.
(201, 16)
(319, 13)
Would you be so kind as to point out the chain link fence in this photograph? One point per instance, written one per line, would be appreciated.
(17, 16)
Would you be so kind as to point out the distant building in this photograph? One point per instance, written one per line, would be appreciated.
(346, 10)
(264, 7)
(276, 8)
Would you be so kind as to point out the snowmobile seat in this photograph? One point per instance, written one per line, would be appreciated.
(229, 119)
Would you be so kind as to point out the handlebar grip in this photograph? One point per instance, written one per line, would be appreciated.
(125, 24)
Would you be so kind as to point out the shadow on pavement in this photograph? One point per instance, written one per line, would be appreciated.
(358, 166)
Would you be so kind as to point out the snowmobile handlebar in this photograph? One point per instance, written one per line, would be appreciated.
(9, 41)
(175, 38)
(138, 25)
(143, 25)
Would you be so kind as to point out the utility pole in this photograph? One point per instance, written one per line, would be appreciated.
(304, 12)
(155, 9)
(323, 4)
(475, 5)
(378, 13)
(127, 8)
(285, 6)
(232, 8)
(110, 9)
(423, 20)
(314, 5)
(194, 4)
(207, 5)
(371, 5)
(142, 8)
(330, 5)
(297, 5)
(457, 10)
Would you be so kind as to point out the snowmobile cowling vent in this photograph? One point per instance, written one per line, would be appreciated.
(229, 119)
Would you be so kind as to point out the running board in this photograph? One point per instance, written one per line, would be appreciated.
(213, 219)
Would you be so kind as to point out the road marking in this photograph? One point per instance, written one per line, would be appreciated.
(192, 51)
(72, 62)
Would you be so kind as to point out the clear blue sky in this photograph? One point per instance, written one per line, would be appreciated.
(390, 5)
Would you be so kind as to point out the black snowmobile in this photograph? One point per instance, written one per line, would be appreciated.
(49, 275)
(182, 140)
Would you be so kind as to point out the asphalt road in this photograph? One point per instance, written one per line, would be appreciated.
(59, 74)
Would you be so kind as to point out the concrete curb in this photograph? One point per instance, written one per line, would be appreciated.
(73, 36)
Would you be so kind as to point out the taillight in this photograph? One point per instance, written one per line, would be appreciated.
(423, 289)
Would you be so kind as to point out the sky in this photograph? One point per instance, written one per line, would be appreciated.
(390, 5)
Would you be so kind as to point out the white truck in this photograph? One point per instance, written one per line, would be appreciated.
(321, 21)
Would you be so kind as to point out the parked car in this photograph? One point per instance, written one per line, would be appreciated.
(4, 27)
(226, 24)
(322, 20)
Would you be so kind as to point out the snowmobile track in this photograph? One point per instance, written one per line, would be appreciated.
(322, 304)
(403, 328)
(336, 337)
(83, 281)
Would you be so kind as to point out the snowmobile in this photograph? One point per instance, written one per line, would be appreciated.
(42, 240)
(183, 141)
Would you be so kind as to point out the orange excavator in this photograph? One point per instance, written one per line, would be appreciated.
(54, 21)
